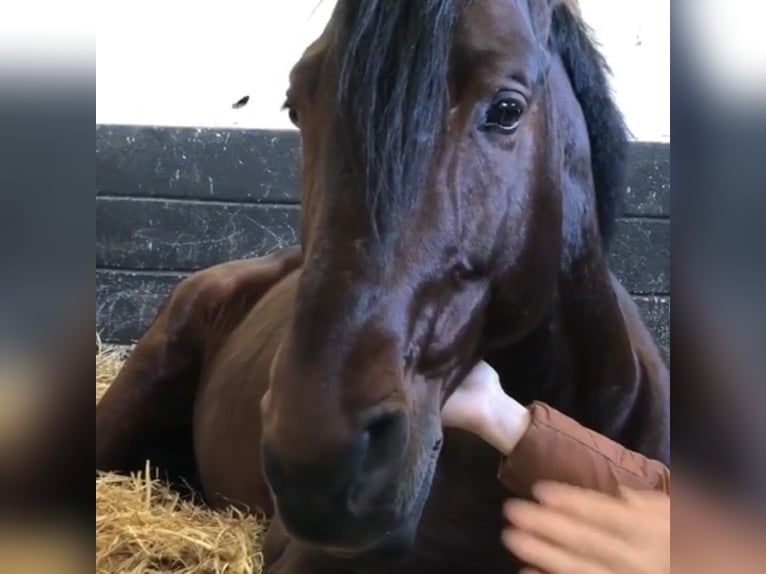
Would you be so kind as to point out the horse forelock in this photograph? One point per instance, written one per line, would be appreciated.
(392, 71)
(392, 62)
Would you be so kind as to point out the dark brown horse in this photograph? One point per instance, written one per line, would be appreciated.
(462, 162)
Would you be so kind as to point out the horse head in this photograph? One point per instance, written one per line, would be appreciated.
(457, 159)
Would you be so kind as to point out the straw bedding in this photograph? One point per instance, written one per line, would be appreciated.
(143, 527)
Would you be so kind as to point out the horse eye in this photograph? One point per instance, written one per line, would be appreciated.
(293, 115)
(504, 114)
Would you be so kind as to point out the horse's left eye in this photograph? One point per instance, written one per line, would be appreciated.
(504, 114)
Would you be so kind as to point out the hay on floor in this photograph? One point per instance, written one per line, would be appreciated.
(144, 527)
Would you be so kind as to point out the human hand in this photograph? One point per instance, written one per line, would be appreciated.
(577, 531)
(470, 406)
(481, 406)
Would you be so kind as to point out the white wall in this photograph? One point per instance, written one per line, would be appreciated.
(184, 62)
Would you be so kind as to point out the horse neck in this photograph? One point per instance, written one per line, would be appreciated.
(580, 360)
(579, 357)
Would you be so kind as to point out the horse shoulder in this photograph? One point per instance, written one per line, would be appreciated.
(652, 370)
(647, 352)
(154, 392)
(236, 376)
(215, 299)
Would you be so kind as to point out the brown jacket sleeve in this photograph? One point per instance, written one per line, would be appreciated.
(556, 447)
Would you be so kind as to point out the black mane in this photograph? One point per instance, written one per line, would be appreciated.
(588, 73)
(392, 60)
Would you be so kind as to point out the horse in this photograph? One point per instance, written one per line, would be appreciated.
(462, 164)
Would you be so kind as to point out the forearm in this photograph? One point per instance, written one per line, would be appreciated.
(552, 446)
(539, 442)
(506, 424)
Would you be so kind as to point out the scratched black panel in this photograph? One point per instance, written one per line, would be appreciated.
(173, 235)
(178, 235)
(127, 302)
(238, 165)
(263, 165)
(648, 191)
(640, 255)
(656, 313)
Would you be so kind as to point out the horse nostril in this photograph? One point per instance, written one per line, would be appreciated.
(383, 441)
(387, 434)
(352, 480)
(272, 470)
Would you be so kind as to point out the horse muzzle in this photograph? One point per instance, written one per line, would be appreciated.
(366, 495)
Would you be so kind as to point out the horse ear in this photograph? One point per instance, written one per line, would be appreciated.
(542, 11)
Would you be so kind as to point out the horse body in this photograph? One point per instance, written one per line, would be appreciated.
(454, 210)
(459, 527)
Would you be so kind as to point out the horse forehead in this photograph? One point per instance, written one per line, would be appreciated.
(496, 26)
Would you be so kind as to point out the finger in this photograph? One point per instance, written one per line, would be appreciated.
(652, 501)
(546, 556)
(571, 534)
(595, 508)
